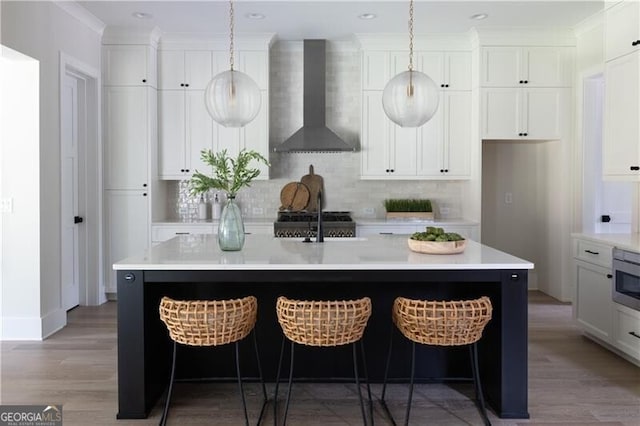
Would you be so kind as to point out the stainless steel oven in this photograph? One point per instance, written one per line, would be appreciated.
(626, 278)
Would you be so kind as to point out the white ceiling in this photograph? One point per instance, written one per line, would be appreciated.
(332, 19)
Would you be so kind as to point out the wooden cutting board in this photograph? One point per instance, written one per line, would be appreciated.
(294, 196)
(315, 184)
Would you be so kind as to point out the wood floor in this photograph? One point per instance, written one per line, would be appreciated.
(571, 381)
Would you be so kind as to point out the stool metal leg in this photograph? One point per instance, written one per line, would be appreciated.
(165, 412)
(264, 388)
(286, 407)
(386, 375)
(275, 394)
(478, 384)
(366, 377)
(355, 373)
(244, 402)
(413, 373)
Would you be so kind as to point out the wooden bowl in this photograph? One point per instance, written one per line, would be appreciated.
(437, 247)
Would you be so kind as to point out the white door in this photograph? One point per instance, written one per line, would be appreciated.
(69, 192)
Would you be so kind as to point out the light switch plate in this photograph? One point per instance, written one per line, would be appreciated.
(6, 205)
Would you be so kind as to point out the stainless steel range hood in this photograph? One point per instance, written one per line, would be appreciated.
(314, 136)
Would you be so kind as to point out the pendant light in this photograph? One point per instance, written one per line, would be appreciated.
(232, 97)
(410, 98)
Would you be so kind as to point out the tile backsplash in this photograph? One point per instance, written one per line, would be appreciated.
(344, 190)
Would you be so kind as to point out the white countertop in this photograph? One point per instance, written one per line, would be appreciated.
(264, 252)
(435, 222)
(623, 241)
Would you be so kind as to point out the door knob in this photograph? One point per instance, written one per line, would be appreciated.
(77, 219)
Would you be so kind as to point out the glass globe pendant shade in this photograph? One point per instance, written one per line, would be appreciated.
(410, 99)
(232, 98)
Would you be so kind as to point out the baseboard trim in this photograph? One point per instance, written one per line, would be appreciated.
(20, 328)
(53, 321)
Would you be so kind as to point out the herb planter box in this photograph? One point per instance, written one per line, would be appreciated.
(410, 215)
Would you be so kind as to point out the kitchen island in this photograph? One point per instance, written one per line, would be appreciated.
(381, 267)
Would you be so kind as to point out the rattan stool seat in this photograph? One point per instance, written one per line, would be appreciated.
(323, 323)
(442, 323)
(209, 322)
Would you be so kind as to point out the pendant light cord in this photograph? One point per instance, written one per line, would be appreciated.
(411, 35)
(231, 34)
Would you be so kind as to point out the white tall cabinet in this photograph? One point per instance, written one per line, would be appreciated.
(440, 149)
(130, 132)
(620, 148)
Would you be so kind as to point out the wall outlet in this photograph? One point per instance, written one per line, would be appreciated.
(508, 198)
(369, 211)
(6, 205)
(257, 211)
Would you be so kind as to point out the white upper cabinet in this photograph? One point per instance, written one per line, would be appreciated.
(437, 150)
(390, 150)
(189, 70)
(449, 70)
(375, 70)
(621, 147)
(445, 140)
(129, 65)
(536, 113)
(186, 128)
(256, 65)
(526, 67)
(622, 29)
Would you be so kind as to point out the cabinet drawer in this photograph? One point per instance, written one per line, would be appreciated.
(627, 322)
(599, 254)
(164, 233)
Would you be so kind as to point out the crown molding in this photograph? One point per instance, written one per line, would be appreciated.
(128, 35)
(82, 15)
(422, 42)
(208, 41)
(522, 36)
(592, 22)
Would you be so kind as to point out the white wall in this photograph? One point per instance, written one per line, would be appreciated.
(42, 30)
(20, 183)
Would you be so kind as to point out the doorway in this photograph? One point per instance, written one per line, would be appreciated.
(81, 266)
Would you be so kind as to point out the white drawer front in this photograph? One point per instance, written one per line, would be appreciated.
(599, 254)
(164, 233)
(628, 331)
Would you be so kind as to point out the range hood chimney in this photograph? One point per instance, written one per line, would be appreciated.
(314, 136)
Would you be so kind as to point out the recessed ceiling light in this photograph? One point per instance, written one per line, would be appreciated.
(367, 16)
(255, 16)
(142, 15)
(479, 16)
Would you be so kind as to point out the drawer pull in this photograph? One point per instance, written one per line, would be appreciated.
(634, 334)
(182, 233)
(386, 233)
(609, 276)
(592, 252)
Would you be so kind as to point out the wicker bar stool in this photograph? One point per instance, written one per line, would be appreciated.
(327, 324)
(440, 323)
(211, 323)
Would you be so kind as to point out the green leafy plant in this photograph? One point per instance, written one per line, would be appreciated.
(229, 174)
(407, 205)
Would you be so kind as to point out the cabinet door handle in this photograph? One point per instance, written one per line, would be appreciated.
(144, 194)
(521, 81)
(186, 85)
(144, 80)
(609, 276)
(634, 334)
(635, 43)
(634, 168)
(591, 252)
(392, 170)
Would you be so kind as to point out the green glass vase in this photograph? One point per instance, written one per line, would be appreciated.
(231, 227)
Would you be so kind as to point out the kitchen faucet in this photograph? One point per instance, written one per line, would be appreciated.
(320, 232)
